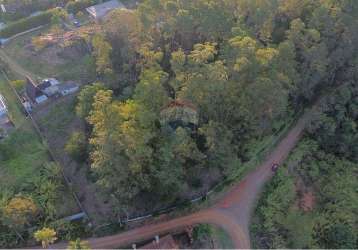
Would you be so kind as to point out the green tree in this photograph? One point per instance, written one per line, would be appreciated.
(85, 99)
(19, 85)
(102, 51)
(340, 236)
(76, 146)
(19, 211)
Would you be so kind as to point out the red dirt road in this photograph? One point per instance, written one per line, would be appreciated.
(232, 212)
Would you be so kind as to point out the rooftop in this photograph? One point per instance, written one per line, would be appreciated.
(2, 103)
(32, 90)
(100, 10)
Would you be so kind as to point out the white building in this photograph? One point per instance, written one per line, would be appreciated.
(99, 11)
(49, 86)
(3, 108)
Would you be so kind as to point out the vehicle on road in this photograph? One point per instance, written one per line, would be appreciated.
(77, 24)
(274, 167)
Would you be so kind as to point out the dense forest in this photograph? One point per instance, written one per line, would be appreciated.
(188, 86)
(322, 171)
(185, 92)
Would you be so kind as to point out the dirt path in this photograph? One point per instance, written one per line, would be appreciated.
(232, 212)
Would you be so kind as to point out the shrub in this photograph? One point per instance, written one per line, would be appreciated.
(19, 85)
(76, 146)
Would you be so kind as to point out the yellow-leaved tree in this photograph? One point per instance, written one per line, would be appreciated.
(46, 235)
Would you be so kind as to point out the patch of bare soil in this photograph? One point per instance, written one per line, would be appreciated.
(78, 174)
(59, 48)
(306, 199)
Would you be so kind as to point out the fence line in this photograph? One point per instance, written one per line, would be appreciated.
(260, 154)
(52, 155)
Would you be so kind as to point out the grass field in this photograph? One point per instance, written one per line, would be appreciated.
(68, 69)
(23, 156)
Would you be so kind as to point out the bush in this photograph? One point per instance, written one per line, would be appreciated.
(76, 146)
(19, 85)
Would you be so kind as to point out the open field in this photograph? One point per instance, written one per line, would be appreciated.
(49, 62)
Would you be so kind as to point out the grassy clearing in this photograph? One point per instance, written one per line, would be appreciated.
(23, 155)
(57, 120)
(15, 49)
(70, 69)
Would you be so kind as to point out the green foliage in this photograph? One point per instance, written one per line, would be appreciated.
(335, 125)
(244, 66)
(67, 230)
(26, 24)
(102, 51)
(331, 224)
(78, 244)
(340, 236)
(202, 231)
(76, 146)
(19, 85)
(85, 99)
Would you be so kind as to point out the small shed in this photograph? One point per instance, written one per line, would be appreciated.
(180, 113)
(3, 108)
(49, 86)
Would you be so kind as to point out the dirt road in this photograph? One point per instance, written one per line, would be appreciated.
(232, 212)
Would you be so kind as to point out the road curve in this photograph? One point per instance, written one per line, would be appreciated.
(232, 212)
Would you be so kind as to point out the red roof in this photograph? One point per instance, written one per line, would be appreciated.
(181, 103)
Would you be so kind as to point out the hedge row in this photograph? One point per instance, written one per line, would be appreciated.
(26, 24)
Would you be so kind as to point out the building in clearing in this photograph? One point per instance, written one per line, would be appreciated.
(180, 113)
(49, 87)
(3, 108)
(99, 11)
(34, 93)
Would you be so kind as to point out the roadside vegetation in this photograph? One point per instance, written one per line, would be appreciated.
(32, 191)
(245, 76)
(312, 201)
(207, 236)
(182, 95)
